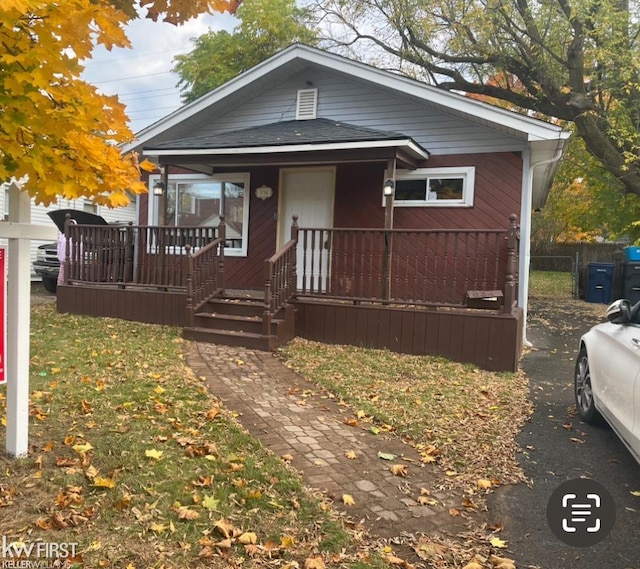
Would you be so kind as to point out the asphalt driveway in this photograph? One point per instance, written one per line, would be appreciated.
(557, 446)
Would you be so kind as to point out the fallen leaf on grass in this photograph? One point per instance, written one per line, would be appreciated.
(314, 562)
(212, 413)
(473, 565)
(224, 544)
(124, 502)
(153, 453)
(393, 560)
(210, 503)
(248, 538)
(224, 527)
(102, 482)
(348, 500)
(484, 484)
(184, 513)
(82, 448)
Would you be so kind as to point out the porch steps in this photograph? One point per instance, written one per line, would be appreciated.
(235, 320)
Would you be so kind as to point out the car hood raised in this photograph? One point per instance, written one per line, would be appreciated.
(81, 217)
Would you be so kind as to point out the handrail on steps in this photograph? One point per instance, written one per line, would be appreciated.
(280, 278)
(204, 271)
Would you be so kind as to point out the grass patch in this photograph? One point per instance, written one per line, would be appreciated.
(134, 461)
(550, 284)
(464, 417)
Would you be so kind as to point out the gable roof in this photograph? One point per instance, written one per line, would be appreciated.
(545, 140)
(297, 56)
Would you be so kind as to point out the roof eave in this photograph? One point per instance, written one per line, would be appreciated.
(407, 144)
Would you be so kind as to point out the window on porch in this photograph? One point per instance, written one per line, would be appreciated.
(429, 187)
(199, 202)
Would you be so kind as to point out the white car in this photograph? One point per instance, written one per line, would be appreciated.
(607, 374)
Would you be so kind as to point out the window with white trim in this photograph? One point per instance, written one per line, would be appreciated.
(198, 201)
(435, 187)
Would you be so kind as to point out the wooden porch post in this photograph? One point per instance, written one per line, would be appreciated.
(67, 249)
(512, 264)
(222, 234)
(188, 263)
(389, 189)
(293, 285)
(266, 315)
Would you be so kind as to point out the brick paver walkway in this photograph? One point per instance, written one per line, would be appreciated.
(291, 416)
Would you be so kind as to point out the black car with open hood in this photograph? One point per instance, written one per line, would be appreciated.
(47, 264)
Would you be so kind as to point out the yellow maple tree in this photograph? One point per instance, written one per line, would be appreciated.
(59, 134)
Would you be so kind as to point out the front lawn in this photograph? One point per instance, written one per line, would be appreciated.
(457, 415)
(134, 461)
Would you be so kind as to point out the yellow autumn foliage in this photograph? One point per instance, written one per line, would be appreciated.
(60, 136)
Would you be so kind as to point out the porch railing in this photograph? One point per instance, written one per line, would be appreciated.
(204, 273)
(430, 266)
(280, 278)
(131, 255)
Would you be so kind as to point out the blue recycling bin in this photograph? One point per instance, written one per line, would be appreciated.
(600, 282)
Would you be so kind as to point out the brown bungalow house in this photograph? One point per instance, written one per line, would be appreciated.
(412, 207)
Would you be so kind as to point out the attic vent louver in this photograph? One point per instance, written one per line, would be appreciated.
(307, 104)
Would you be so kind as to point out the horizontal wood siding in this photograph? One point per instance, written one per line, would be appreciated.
(496, 195)
(138, 305)
(489, 340)
(345, 99)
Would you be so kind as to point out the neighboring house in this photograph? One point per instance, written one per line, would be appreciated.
(39, 214)
(312, 134)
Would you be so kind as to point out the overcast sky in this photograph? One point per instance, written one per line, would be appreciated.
(141, 76)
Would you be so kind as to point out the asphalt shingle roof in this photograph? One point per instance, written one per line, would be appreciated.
(285, 133)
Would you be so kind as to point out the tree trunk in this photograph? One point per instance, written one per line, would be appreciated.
(601, 146)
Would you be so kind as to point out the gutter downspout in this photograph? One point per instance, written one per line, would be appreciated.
(525, 234)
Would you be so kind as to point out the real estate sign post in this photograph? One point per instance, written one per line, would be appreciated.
(19, 231)
(3, 313)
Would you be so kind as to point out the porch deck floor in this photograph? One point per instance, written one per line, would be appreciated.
(268, 398)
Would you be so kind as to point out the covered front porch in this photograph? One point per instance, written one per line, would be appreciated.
(441, 292)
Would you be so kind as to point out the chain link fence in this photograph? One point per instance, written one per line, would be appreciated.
(554, 276)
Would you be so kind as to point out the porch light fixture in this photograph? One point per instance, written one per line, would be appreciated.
(158, 188)
(389, 187)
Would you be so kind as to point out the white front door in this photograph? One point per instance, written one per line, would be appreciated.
(308, 193)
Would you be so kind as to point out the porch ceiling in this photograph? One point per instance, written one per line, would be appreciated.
(291, 142)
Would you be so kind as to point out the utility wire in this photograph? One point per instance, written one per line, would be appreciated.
(131, 77)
